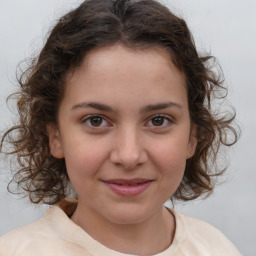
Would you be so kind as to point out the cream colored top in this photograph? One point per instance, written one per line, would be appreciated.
(55, 234)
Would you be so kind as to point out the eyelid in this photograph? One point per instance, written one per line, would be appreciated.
(88, 117)
(166, 117)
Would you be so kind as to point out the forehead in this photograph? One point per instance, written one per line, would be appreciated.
(110, 58)
(119, 70)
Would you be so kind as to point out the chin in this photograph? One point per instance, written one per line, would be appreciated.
(130, 214)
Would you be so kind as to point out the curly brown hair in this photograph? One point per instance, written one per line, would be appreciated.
(97, 23)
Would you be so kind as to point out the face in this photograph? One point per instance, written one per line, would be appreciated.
(125, 132)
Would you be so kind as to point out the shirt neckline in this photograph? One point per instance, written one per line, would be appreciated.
(58, 219)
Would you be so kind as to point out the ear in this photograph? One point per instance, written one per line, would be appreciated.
(192, 142)
(55, 142)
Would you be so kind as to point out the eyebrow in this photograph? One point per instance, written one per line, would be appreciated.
(160, 106)
(106, 108)
(96, 105)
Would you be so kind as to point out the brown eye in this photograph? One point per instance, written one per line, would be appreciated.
(158, 121)
(96, 121)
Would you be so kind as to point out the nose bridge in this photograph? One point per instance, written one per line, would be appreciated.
(129, 143)
(128, 150)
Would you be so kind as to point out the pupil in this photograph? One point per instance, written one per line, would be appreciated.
(157, 121)
(96, 121)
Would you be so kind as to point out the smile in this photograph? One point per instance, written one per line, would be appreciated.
(126, 187)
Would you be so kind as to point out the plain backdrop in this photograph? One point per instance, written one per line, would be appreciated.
(225, 28)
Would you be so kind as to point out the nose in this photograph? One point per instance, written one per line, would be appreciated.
(128, 150)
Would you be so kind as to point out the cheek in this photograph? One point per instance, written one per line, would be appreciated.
(169, 161)
(84, 158)
(172, 150)
(170, 158)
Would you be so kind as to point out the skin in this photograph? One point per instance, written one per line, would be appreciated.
(125, 116)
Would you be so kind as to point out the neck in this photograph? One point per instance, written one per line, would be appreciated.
(151, 236)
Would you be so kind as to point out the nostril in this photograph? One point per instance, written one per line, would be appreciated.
(128, 160)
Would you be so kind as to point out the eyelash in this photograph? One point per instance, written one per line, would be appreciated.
(103, 119)
(89, 119)
(165, 119)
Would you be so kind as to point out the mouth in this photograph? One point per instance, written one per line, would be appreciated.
(128, 187)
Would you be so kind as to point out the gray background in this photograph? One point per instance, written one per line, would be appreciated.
(225, 28)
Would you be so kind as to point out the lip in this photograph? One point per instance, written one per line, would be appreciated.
(128, 187)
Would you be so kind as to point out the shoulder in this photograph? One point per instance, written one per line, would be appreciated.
(54, 234)
(202, 238)
(18, 240)
(38, 238)
(26, 238)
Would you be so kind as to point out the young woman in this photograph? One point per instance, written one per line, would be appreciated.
(118, 105)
